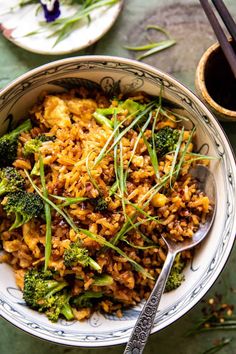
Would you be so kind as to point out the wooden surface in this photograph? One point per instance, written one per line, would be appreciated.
(187, 23)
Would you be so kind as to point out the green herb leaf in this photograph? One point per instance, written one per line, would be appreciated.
(54, 206)
(148, 108)
(90, 175)
(158, 48)
(179, 142)
(216, 348)
(142, 47)
(66, 25)
(153, 47)
(159, 29)
(183, 154)
(68, 201)
(136, 246)
(153, 156)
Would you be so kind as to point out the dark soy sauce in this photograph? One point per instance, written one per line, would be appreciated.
(219, 80)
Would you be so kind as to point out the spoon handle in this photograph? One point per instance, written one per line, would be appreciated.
(144, 323)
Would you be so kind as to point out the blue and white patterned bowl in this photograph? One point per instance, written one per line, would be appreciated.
(114, 75)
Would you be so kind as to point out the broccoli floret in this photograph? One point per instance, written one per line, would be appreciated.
(133, 107)
(59, 304)
(129, 105)
(166, 140)
(9, 143)
(24, 205)
(74, 255)
(174, 281)
(86, 299)
(38, 285)
(44, 294)
(99, 203)
(43, 138)
(10, 180)
(31, 146)
(176, 277)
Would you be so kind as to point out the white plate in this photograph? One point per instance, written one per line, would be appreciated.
(15, 25)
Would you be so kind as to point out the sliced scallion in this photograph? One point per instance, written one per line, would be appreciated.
(102, 241)
(48, 217)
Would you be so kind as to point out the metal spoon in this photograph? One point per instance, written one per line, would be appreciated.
(144, 324)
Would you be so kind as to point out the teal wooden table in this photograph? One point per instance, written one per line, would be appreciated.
(187, 23)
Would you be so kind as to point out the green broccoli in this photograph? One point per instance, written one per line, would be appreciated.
(86, 299)
(38, 285)
(100, 115)
(176, 277)
(9, 144)
(24, 205)
(31, 146)
(100, 204)
(44, 294)
(58, 305)
(166, 140)
(74, 255)
(102, 119)
(10, 180)
(133, 107)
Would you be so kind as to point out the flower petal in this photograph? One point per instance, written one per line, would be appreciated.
(51, 9)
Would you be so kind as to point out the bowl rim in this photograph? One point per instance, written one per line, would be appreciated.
(200, 81)
(231, 155)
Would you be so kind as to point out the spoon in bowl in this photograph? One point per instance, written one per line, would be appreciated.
(143, 326)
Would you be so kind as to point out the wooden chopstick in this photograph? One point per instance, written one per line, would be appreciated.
(226, 17)
(225, 45)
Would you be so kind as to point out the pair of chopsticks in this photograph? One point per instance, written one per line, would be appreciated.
(228, 20)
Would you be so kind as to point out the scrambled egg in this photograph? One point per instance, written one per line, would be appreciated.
(56, 113)
(59, 112)
(82, 108)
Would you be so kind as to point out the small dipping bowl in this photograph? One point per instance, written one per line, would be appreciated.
(216, 85)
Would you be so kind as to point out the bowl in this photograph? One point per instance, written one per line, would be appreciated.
(216, 85)
(112, 74)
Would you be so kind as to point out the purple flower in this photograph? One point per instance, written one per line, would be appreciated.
(51, 9)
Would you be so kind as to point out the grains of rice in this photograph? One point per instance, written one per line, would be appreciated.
(79, 138)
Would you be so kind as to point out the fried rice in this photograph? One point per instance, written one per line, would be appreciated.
(74, 167)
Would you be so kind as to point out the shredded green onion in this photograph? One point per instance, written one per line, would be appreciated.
(102, 241)
(90, 175)
(183, 154)
(48, 217)
(158, 48)
(63, 26)
(138, 247)
(153, 47)
(179, 142)
(68, 200)
(152, 153)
